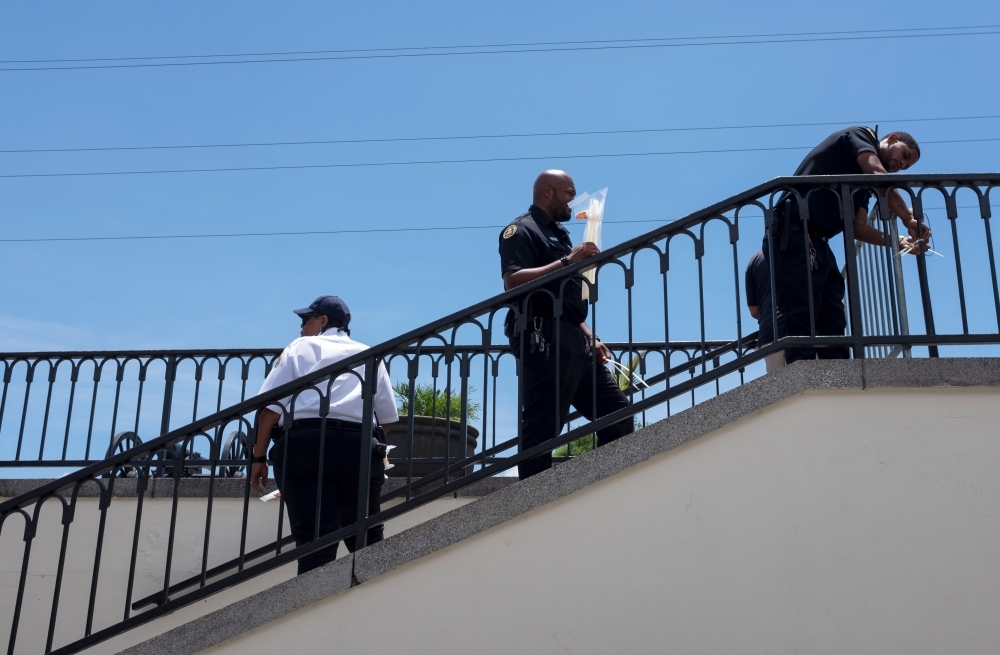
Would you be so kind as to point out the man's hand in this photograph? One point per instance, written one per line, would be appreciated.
(582, 251)
(912, 226)
(911, 246)
(514, 279)
(258, 477)
(601, 352)
(258, 472)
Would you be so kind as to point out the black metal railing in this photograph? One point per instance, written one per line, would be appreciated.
(72, 409)
(678, 284)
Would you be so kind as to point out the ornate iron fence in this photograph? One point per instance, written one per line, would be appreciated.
(680, 283)
(72, 409)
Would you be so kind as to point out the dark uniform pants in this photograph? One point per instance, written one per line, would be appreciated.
(298, 477)
(792, 272)
(543, 413)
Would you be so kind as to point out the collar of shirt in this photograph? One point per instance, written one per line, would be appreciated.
(545, 221)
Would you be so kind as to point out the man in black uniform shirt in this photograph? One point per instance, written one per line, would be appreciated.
(533, 245)
(853, 151)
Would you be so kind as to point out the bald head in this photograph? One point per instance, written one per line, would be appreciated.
(552, 193)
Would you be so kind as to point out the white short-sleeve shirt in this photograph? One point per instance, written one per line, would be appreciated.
(307, 354)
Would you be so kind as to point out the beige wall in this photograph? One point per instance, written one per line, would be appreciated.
(834, 522)
(226, 526)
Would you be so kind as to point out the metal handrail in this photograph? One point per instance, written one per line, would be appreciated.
(159, 409)
(705, 367)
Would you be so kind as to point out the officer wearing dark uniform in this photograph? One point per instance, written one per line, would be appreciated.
(536, 244)
(853, 151)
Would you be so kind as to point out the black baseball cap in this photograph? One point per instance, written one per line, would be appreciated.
(330, 306)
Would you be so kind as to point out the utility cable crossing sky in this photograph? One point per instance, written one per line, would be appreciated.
(492, 49)
(387, 230)
(522, 135)
(242, 169)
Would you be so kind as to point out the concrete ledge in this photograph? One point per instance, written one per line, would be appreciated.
(251, 612)
(942, 372)
(197, 487)
(511, 500)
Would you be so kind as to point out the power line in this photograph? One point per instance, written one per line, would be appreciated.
(623, 46)
(318, 232)
(498, 45)
(242, 169)
(494, 136)
(257, 234)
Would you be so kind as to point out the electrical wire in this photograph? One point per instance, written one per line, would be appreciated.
(242, 169)
(224, 235)
(498, 45)
(497, 136)
(624, 45)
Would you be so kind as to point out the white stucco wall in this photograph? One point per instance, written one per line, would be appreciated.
(834, 522)
(227, 519)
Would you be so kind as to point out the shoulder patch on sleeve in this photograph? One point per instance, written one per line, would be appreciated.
(510, 231)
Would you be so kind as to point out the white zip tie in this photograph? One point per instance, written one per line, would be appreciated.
(909, 249)
(633, 377)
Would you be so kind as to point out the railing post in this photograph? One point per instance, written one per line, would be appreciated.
(463, 436)
(896, 275)
(368, 388)
(853, 285)
(168, 393)
(925, 290)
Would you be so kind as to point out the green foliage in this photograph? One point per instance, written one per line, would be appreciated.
(428, 403)
(584, 444)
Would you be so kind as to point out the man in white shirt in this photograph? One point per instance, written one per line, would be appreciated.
(299, 472)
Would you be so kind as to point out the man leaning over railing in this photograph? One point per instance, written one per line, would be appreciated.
(852, 151)
(533, 245)
(298, 469)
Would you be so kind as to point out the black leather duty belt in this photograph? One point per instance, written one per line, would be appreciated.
(330, 423)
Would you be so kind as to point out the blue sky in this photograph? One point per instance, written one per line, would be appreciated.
(238, 292)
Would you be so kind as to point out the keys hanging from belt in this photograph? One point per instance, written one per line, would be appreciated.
(537, 339)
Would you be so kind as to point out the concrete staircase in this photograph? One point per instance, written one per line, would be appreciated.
(832, 506)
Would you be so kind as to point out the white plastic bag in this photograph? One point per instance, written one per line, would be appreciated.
(590, 207)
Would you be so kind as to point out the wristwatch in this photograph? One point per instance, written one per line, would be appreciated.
(565, 260)
(258, 460)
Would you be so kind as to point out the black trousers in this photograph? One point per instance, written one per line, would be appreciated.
(792, 272)
(296, 472)
(544, 414)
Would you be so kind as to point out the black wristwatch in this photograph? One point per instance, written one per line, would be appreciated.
(565, 260)
(258, 460)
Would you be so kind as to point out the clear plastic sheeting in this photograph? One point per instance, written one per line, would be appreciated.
(590, 207)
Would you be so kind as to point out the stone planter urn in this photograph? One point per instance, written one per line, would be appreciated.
(429, 440)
